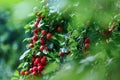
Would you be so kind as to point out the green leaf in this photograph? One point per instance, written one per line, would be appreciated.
(27, 45)
(26, 39)
(31, 15)
(16, 73)
(20, 65)
(38, 53)
(25, 54)
(25, 64)
(27, 28)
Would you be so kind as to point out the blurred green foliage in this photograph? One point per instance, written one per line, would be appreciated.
(104, 60)
(12, 22)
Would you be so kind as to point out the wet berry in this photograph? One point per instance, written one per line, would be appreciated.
(69, 52)
(42, 47)
(31, 45)
(36, 24)
(34, 73)
(87, 45)
(87, 40)
(43, 32)
(42, 41)
(22, 72)
(40, 68)
(43, 60)
(31, 70)
(35, 68)
(35, 37)
(35, 31)
(37, 60)
(61, 54)
(49, 35)
(26, 72)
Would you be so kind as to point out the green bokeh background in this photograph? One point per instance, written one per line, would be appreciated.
(103, 61)
(13, 18)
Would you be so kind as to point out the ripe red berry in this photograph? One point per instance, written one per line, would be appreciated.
(87, 45)
(40, 68)
(26, 72)
(37, 60)
(43, 32)
(49, 35)
(35, 31)
(35, 37)
(61, 54)
(35, 63)
(87, 40)
(46, 48)
(35, 68)
(31, 45)
(31, 70)
(33, 59)
(42, 47)
(42, 41)
(36, 24)
(31, 41)
(38, 19)
(39, 64)
(22, 72)
(34, 73)
(59, 29)
(44, 57)
(43, 60)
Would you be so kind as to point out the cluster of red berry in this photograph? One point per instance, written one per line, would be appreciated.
(24, 72)
(45, 35)
(87, 45)
(38, 65)
(41, 36)
(35, 31)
